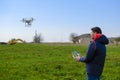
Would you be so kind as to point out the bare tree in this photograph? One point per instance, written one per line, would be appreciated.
(37, 38)
(72, 37)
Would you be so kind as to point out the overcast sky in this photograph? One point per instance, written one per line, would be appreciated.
(57, 19)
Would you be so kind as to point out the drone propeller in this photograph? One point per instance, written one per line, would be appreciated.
(23, 20)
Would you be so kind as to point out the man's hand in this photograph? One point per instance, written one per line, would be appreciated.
(77, 58)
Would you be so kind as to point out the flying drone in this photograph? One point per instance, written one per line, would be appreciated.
(27, 21)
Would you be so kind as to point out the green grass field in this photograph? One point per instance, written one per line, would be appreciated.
(51, 62)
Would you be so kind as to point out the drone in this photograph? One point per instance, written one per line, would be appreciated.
(27, 21)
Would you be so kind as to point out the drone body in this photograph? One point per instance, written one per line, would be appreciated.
(27, 21)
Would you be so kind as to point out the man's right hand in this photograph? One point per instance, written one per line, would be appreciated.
(77, 58)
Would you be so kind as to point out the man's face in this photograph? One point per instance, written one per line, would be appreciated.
(93, 34)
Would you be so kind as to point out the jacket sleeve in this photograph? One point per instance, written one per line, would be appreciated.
(89, 55)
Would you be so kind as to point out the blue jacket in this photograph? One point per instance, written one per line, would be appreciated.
(95, 56)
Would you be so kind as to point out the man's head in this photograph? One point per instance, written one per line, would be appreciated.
(95, 30)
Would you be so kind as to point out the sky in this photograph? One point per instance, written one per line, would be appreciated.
(55, 20)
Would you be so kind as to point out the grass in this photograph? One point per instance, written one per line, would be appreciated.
(51, 62)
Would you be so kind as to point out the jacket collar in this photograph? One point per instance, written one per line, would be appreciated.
(97, 36)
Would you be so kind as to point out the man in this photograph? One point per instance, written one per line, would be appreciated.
(95, 56)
